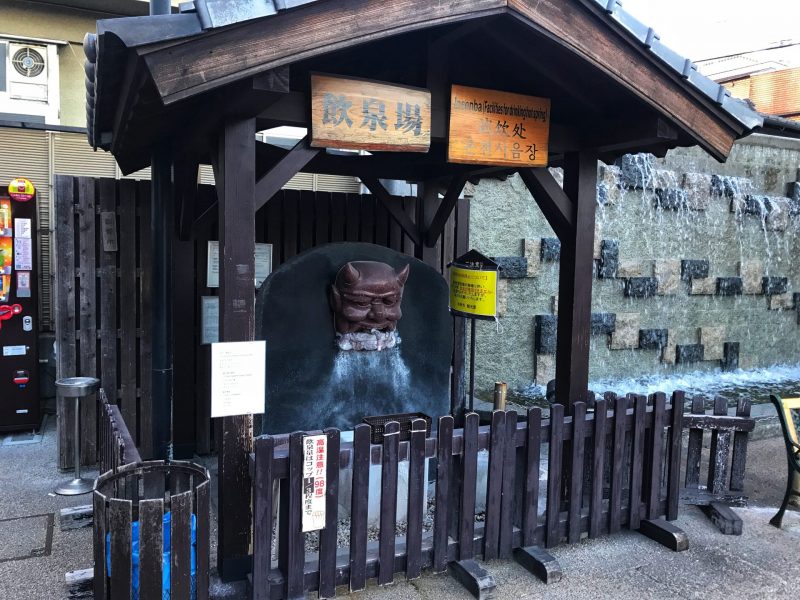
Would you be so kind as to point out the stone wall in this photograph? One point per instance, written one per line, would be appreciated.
(696, 267)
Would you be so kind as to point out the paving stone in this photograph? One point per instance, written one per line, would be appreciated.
(730, 359)
(668, 353)
(668, 274)
(670, 198)
(626, 332)
(609, 259)
(689, 353)
(545, 368)
(703, 287)
(653, 339)
(641, 287)
(752, 273)
(512, 267)
(771, 286)
(712, 340)
(694, 269)
(603, 323)
(730, 186)
(551, 250)
(698, 190)
(532, 249)
(782, 301)
(729, 286)
(545, 333)
(631, 268)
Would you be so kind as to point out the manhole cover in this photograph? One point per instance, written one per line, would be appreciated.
(26, 537)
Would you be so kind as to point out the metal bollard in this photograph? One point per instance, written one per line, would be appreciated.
(76, 387)
(500, 394)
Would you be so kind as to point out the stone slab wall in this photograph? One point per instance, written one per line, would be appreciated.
(697, 265)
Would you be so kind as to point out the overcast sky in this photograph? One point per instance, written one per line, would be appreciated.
(701, 29)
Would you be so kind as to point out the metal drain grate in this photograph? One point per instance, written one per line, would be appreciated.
(26, 537)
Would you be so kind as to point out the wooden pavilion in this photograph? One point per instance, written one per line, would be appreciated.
(194, 88)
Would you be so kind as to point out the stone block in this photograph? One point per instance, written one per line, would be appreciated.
(638, 171)
(502, 297)
(794, 191)
(771, 286)
(778, 217)
(668, 274)
(688, 353)
(703, 287)
(512, 267)
(554, 304)
(603, 323)
(712, 339)
(698, 190)
(532, 249)
(609, 259)
(694, 269)
(598, 240)
(729, 286)
(631, 268)
(545, 368)
(609, 174)
(724, 185)
(653, 339)
(668, 353)
(641, 287)
(758, 205)
(730, 358)
(782, 301)
(551, 250)
(752, 273)
(545, 334)
(626, 332)
(670, 199)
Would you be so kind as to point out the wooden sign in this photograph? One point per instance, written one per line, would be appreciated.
(365, 115)
(498, 128)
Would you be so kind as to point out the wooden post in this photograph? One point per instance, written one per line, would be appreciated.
(575, 280)
(236, 183)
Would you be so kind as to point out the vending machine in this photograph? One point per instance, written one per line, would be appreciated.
(19, 361)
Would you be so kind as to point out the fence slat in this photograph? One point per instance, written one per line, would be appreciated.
(328, 536)
(530, 509)
(598, 468)
(322, 218)
(262, 517)
(656, 453)
(617, 464)
(127, 302)
(99, 517)
(637, 460)
(108, 290)
(180, 545)
(144, 434)
(554, 474)
(695, 447)
(291, 555)
(416, 498)
(466, 530)
(718, 456)
(151, 548)
(576, 480)
(494, 488)
(119, 524)
(338, 212)
(444, 455)
(739, 458)
(675, 436)
(388, 518)
(359, 507)
(506, 543)
(203, 541)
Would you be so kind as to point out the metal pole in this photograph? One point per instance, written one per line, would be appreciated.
(77, 453)
(500, 395)
(472, 366)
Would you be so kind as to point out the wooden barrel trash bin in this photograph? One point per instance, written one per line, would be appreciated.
(151, 532)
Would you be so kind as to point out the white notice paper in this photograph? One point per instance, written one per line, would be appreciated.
(315, 465)
(263, 264)
(238, 379)
(209, 319)
(23, 254)
(22, 228)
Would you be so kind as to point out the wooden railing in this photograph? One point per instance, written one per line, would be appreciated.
(618, 467)
(117, 447)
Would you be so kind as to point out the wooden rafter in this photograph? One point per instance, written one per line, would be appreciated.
(278, 176)
(445, 209)
(394, 207)
(557, 207)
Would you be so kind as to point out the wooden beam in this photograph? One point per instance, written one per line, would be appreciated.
(286, 168)
(445, 209)
(427, 205)
(575, 280)
(185, 177)
(394, 206)
(630, 135)
(557, 207)
(236, 172)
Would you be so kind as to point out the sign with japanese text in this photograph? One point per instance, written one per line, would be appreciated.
(315, 465)
(366, 115)
(473, 286)
(498, 128)
(238, 378)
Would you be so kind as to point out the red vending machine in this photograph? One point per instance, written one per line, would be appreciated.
(19, 357)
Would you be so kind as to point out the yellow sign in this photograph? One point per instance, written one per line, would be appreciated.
(473, 293)
(365, 115)
(498, 128)
(21, 189)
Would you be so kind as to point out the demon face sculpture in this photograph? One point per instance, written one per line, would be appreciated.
(365, 299)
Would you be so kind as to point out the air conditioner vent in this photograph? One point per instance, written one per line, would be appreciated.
(28, 62)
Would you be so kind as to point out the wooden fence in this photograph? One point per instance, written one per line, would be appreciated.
(103, 282)
(607, 470)
(117, 447)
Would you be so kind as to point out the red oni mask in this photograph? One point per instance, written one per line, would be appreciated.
(366, 297)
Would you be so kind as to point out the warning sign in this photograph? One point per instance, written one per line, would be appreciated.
(473, 286)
